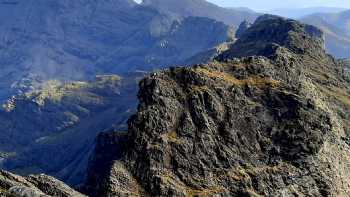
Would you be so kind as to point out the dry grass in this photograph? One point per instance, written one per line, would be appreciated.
(169, 179)
(338, 94)
(173, 138)
(256, 81)
(195, 88)
(205, 192)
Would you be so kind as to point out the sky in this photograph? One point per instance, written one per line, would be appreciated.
(276, 4)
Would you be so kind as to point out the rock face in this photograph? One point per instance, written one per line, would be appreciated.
(270, 125)
(34, 186)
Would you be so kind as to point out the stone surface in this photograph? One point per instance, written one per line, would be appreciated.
(272, 124)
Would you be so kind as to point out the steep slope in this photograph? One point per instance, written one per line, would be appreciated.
(202, 8)
(63, 120)
(42, 40)
(336, 35)
(271, 125)
(35, 186)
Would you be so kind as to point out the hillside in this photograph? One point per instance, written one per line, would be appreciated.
(336, 35)
(340, 19)
(63, 120)
(272, 124)
(41, 40)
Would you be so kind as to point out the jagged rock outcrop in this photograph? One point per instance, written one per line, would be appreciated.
(12, 185)
(275, 123)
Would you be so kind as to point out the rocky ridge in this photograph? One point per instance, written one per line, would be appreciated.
(272, 122)
(34, 186)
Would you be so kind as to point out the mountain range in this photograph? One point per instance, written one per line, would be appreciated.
(200, 8)
(65, 40)
(59, 61)
(297, 13)
(337, 31)
(69, 80)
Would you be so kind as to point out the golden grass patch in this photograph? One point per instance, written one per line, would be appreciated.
(257, 81)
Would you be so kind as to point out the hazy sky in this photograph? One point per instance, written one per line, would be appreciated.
(273, 4)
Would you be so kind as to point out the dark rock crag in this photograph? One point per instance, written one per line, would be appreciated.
(273, 122)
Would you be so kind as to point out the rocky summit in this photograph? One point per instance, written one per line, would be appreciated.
(270, 119)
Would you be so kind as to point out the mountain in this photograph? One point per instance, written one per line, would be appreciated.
(12, 185)
(346, 63)
(59, 61)
(297, 13)
(337, 34)
(41, 40)
(340, 20)
(202, 8)
(271, 120)
(269, 32)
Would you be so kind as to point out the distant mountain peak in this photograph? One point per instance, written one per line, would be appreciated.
(269, 30)
(202, 8)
